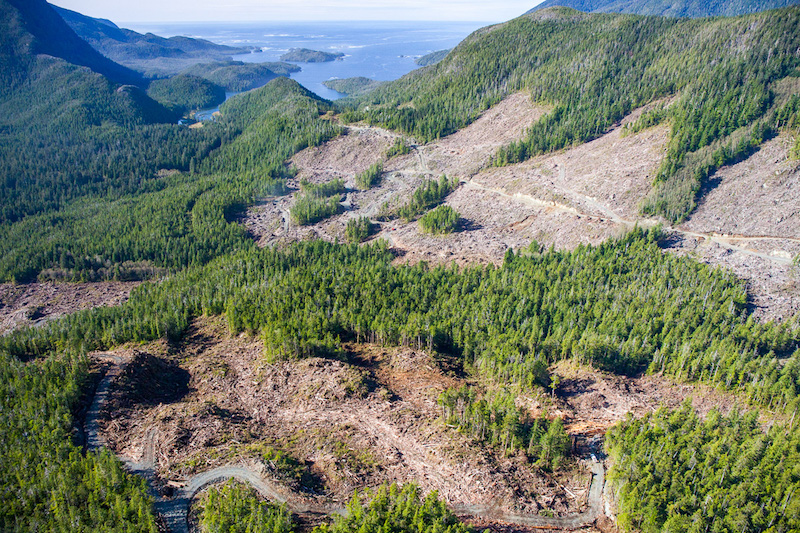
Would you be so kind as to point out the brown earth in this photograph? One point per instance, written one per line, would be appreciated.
(344, 156)
(36, 303)
(751, 197)
(468, 151)
(591, 401)
(753, 207)
(773, 282)
(605, 178)
(212, 400)
(460, 154)
(544, 199)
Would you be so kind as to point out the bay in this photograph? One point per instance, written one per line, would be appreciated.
(380, 50)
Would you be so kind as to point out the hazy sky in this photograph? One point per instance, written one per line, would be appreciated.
(269, 10)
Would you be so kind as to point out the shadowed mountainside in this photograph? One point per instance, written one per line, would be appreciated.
(144, 52)
(33, 27)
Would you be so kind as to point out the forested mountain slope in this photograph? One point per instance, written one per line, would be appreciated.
(594, 69)
(622, 306)
(82, 159)
(31, 27)
(93, 186)
(669, 8)
(64, 117)
(168, 220)
(238, 76)
(137, 50)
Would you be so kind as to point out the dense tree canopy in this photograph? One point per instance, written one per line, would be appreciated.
(234, 508)
(47, 483)
(175, 219)
(677, 472)
(396, 509)
(184, 93)
(624, 306)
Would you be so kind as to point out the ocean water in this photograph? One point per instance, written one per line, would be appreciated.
(377, 50)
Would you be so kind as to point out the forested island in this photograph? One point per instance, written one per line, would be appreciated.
(304, 55)
(352, 86)
(238, 76)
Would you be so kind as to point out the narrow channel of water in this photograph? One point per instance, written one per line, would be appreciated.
(208, 114)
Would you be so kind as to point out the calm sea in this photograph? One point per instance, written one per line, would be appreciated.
(377, 50)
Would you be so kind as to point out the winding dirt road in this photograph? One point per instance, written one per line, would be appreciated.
(175, 509)
(726, 241)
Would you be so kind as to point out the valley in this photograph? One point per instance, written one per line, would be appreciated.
(548, 281)
(188, 414)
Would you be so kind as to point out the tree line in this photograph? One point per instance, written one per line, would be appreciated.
(623, 306)
(675, 471)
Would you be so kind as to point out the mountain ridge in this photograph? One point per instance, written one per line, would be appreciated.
(48, 34)
(669, 8)
(595, 69)
(147, 53)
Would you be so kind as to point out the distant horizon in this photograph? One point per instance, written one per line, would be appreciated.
(221, 30)
(297, 21)
(286, 11)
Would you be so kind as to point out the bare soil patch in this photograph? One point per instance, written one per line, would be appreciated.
(773, 283)
(211, 400)
(460, 154)
(591, 401)
(466, 152)
(582, 195)
(35, 303)
(759, 196)
(351, 425)
(344, 156)
(487, 233)
(751, 216)
(606, 178)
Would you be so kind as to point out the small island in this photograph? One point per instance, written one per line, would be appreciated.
(352, 86)
(304, 55)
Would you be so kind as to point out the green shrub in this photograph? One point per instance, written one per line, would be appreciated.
(440, 221)
(429, 194)
(358, 229)
(323, 190)
(310, 210)
(400, 147)
(370, 177)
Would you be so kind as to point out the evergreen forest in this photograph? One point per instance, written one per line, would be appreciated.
(399, 510)
(99, 182)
